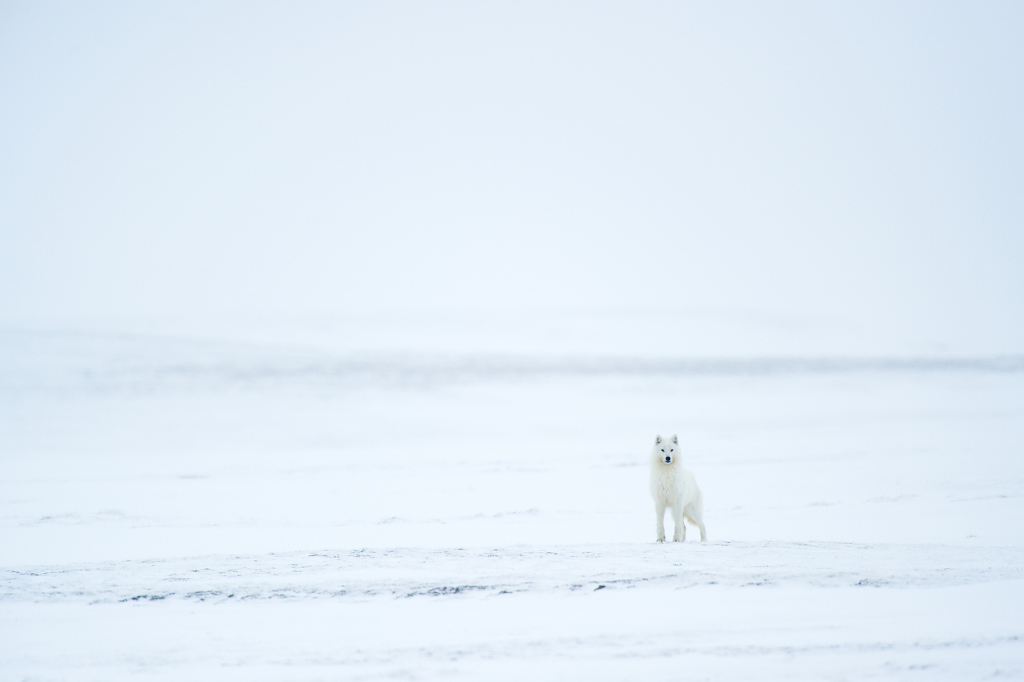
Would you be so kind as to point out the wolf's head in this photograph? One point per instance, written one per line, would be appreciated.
(666, 450)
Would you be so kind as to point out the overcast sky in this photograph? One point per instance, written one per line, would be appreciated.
(861, 162)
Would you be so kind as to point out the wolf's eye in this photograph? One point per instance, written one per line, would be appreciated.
(663, 449)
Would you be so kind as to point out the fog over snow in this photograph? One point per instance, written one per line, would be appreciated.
(334, 338)
(857, 165)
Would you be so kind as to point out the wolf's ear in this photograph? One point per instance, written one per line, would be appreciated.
(657, 440)
(675, 439)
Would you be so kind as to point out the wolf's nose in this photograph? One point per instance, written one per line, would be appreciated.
(668, 459)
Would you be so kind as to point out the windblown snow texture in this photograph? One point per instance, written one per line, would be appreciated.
(178, 509)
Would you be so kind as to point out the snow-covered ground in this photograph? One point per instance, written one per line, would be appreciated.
(230, 509)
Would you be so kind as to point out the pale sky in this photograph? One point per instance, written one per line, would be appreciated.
(859, 162)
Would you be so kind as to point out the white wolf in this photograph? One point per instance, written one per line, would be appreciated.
(675, 487)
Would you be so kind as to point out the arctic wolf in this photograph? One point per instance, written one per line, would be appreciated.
(674, 487)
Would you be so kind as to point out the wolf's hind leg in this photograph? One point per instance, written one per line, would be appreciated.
(695, 514)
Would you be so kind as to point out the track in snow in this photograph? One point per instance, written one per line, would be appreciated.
(422, 572)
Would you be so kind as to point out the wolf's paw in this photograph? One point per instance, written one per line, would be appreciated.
(660, 540)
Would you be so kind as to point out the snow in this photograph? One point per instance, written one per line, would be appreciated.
(187, 507)
(334, 337)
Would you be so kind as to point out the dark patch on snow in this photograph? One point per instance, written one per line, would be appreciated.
(446, 590)
(203, 595)
(147, 597)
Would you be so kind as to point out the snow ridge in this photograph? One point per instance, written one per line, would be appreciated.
(382, 573)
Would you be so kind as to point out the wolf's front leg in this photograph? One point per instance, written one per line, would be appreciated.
(679, 532)
(659, 512)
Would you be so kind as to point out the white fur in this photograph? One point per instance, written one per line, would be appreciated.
(674, 487)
